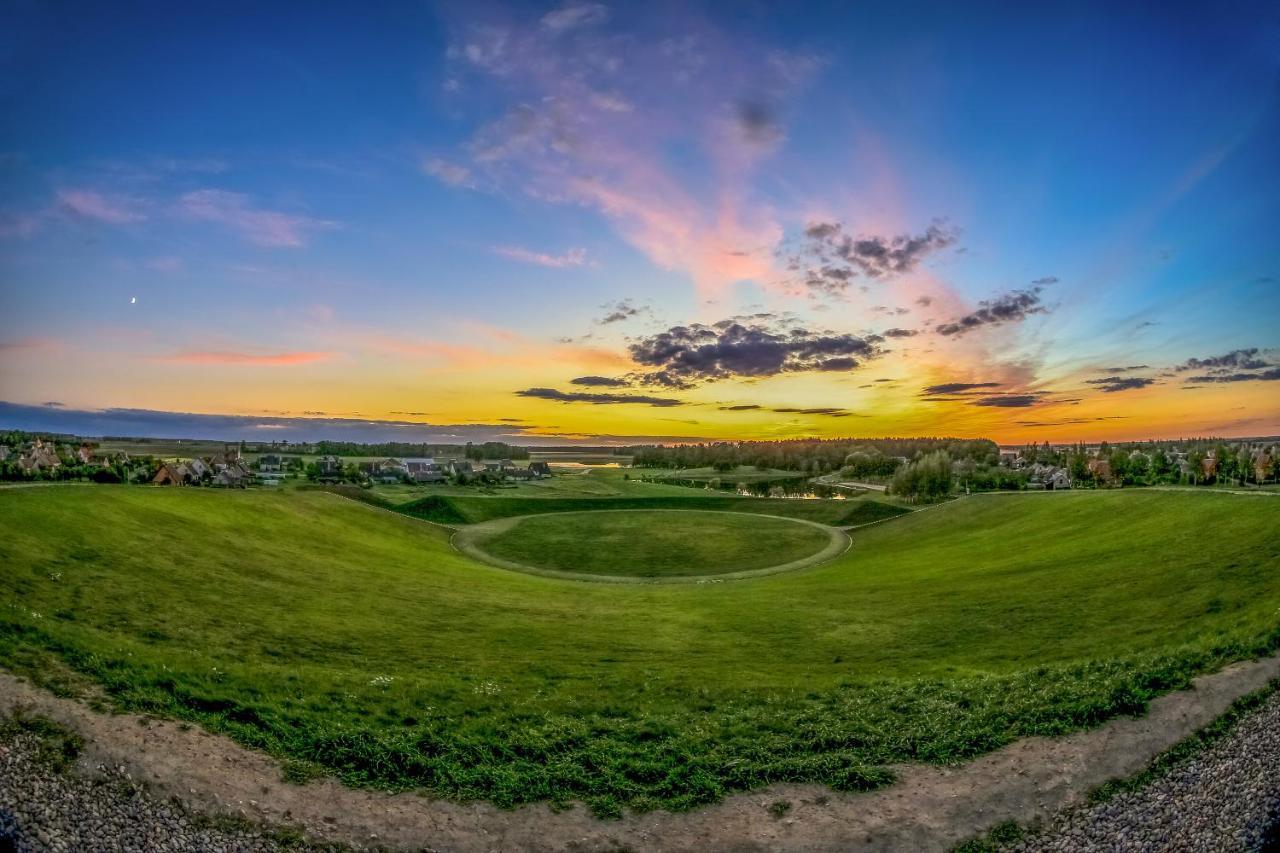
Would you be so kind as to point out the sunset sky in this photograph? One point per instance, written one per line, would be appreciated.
(635, 221)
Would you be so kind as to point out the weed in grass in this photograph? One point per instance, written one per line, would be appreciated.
(779, 808)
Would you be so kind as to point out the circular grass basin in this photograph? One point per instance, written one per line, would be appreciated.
(652, 544)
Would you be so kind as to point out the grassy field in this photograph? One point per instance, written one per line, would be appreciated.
(342, 637)
(653, 544)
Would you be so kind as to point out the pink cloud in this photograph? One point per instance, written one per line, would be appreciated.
(257, 359)
(594, 121)
(257, 225)
(571, 258)
(89, 204)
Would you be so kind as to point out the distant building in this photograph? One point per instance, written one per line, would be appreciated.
(540, 469)
(39, 457)
(1100, 469)
(172, 474)
(270, 463)
(329, 469)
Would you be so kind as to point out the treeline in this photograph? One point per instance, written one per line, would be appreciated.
(857, 456)
(487, 450)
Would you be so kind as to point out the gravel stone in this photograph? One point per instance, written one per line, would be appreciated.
(1225, 798)
(42, 809)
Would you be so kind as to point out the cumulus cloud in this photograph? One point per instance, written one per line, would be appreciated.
(1112, 384)
(598, 399)
(619, 311)
(1010, 307)
(1241, 359)
(685, 355)
(1269, 375)
(832, 257)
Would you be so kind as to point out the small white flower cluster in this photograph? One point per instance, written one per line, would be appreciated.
(56, 576)
(381, 681)
(487, 688)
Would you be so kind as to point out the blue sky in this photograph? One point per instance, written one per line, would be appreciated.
(364, 210)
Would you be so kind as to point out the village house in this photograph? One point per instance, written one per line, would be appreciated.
(460, 468)
(1262, 464)
(270, 463)
(329, 469)
(1049, 477)
(172, 474)
(1100, 470)
(39, 457)
(540, 469)
(85, 454)
(199, 469)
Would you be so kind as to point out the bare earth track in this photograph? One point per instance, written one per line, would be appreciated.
(929, 808)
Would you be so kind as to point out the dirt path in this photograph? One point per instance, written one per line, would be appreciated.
(469, 540)
(930, 808)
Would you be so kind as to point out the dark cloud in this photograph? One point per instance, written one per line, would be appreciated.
(684, 355)
(1241, 359)
(1127, 369)
(1112, 384)
(1271, 375)
(1072, 421)
(831, 258)
(598, 399)
(746, 407)
(1007, 308)
(618, 311)
(758, 122)
(924, 301)
(900, 333)
(150, 423)
(1008, 401)
(828, 412)
(948, 388)
(599, 382)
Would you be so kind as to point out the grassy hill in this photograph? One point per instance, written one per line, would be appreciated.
(474, 509)
(355, 640)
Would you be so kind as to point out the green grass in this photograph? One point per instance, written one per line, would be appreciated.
(653, 544)
(336, 635)
(476, 509)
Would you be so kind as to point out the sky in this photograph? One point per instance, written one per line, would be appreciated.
(611, 223)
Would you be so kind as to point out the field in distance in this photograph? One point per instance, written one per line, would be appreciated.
(357, 642)
(650, 543)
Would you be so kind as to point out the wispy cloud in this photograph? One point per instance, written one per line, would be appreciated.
(570, 258)
(260, 226)
(94, 205)
(453, 174)
(251, 359)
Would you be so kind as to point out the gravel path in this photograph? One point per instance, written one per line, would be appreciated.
(1222, 799)
(1226, 798)
(43, 809)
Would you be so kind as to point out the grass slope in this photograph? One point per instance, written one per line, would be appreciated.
(475, 509)
(653, 544)
(356, 640)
